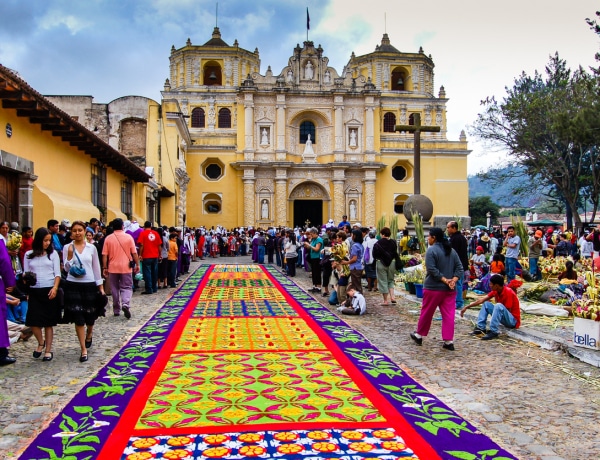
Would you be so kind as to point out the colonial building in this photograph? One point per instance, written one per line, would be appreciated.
(307, 143)
(52, 167)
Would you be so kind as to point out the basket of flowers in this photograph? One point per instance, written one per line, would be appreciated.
(13, 245)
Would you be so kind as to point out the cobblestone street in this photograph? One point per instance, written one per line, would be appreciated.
(537, 404)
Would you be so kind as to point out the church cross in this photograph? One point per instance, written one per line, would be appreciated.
(416, 129)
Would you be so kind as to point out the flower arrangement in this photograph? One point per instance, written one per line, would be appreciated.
(552, 266)
(588, 306)
(420, 231)
(15, 240)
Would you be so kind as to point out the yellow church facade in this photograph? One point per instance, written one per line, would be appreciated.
(308, 143)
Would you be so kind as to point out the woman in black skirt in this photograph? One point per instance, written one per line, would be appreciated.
(84, 292)
(44, 311)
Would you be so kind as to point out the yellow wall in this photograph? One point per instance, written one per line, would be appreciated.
(63, 186)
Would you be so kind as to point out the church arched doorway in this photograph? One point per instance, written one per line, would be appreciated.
(308, 212)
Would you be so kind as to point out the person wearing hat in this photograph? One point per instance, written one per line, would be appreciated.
(343, 222)
(586, 248)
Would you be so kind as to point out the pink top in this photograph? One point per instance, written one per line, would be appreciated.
(119, 248)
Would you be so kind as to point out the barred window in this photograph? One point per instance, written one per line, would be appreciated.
(306, 128)
(224, 118)
(99, 185)
(126, 198)
(198, 120)
(389, 122)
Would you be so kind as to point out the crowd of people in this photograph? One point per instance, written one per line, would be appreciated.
(65, 272)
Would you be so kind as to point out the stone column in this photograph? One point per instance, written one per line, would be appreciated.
(369, 199)
(280, 146)
(339, 199)
(339, 124)
(281, 200)
(248, 122)
(370, 123)
(249, 201)
(26, 199)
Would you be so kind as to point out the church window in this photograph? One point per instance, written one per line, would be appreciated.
(411, 119)
(212, 75)
(212, 203)
(306, 128)
(399, 173)
(389, 122)
(126, 198)
(198, 119)
(213, 169)
(399, 203)
(224, 118)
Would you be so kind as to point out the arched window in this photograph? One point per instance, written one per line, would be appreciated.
(306, 128)
(212, 75)
(389, 122)
(198, 118)
(398, 80)
(411, 119)
(224, 118)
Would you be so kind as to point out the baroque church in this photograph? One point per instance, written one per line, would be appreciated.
(228, 145)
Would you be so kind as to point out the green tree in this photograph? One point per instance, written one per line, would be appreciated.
(479, 207)
(549, 125)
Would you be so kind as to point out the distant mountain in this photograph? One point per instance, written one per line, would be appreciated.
(503, 194)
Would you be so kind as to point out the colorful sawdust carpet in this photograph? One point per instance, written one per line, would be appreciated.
(242, 363)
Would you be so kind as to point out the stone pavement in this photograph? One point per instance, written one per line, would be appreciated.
(540, 404)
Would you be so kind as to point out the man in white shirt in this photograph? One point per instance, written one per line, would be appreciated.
(358, 304)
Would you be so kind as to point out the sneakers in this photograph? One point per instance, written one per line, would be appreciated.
(418, 340)
(478, 331)
(126, 312)
(448, 346)
(490, 335)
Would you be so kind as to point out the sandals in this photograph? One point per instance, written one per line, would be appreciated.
(393, 301)
(37, 354)
(83, 358)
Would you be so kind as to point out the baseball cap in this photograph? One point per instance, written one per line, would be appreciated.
(66, 223)
(539, 233)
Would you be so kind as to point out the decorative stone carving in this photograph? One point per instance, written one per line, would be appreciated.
(309, 190)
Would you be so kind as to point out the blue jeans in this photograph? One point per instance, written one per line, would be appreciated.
(460, 301)
(533, 267)
(150, 274)
(511, 266)
(500, 315)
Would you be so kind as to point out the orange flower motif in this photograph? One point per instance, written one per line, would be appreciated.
(384, 434)
(353, 435)
(393, 446)
(290, 449)
(140, 456)
(179, 441)
(216, 439)
(286, 436)
(324, 447)
(361, 446)
(318, 435)
(176, 454)
(250, 437)
(252, 451)
(144, 443)
(216, 452)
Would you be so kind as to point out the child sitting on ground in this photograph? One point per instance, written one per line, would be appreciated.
(497, 266)
(357, 303)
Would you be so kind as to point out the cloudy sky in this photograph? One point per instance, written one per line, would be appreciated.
(113, 48)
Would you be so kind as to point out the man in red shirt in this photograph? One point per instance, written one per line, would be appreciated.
(150, 249)
(505, 311)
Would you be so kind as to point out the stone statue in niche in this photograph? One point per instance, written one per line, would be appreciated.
(264, 138)
(352, 138)
(352, 210)
(290, 76)
(264, 210)
(309, 71)
(309, 154)
(327, 77)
